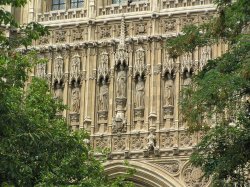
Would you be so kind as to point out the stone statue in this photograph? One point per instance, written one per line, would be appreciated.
(121, 82)
(75, 99)
(58, 94)
(58, 68)
(75, 71)
(139, 99)
(103, 98)
(187, 78)
(151, 141)
(168, 91)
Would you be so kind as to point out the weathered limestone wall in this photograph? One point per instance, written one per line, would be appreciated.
(109, 64)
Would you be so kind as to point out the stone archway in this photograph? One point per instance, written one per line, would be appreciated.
(147, 174)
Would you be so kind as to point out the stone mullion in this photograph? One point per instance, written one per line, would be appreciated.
(83, 88)
(87, 90)
(49, 56)
(176, 102)
(147, 88)
(158, 91)
(153, 87)
(130, 107)
(111, 90)
(93, 91)
(66, 90)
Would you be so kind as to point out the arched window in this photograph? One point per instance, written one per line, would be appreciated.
(76, 3)
(58, 4)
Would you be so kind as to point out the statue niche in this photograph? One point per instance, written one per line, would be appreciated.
(139, 103)
(121, 82)
(103, 96)
(75, 97)
(140, 93)
(168, 90)
(168, 101)
(58, 91)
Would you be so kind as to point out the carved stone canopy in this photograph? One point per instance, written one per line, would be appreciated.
(58, 69)
(139, 66)
(103, 68)
(75, 70)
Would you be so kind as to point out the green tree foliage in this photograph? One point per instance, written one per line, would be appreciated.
(217, 101)
(36, 146)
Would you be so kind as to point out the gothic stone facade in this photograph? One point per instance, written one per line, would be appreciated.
(107, 61)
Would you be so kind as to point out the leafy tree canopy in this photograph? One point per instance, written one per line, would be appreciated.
(36, 146)
(217, 101)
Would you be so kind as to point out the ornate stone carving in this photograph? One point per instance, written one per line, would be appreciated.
(187, 62)
(167, 140)
(104, 96)
(205, 56)
(121, 82)
(193, 176)
(77, 34)
(41, 70)
(139, 66)
(58, 73)
(119, 143)
(103, 68)
(101, 143)
(60, 36)
(140, 28)
(172, 167)
(168, 64)
(169, 25)
(43, 40)
(185, 140)
(105, 32)
(75, 70)
(75, 98)
(138, 142)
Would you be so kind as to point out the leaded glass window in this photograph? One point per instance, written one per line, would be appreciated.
(76, 3)
(58, 4)
(119, 1)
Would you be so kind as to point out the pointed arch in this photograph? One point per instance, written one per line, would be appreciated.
(147, 174)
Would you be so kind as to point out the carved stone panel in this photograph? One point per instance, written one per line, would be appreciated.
(101, 142)
(119, 143)
(193, 176)
(41, 70)
(185, 139)
(169, 25)
(171, 166)
(60, 36)
(138, 142)
(167, 140)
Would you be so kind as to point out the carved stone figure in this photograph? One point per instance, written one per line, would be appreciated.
(75, 67)
(139, 99)
(75, 99)
(103, 99)
(187, 78)
(58, 68)
(168, 91)
(41, 70)
(151, 141)
(58, 94)
(121, 82)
